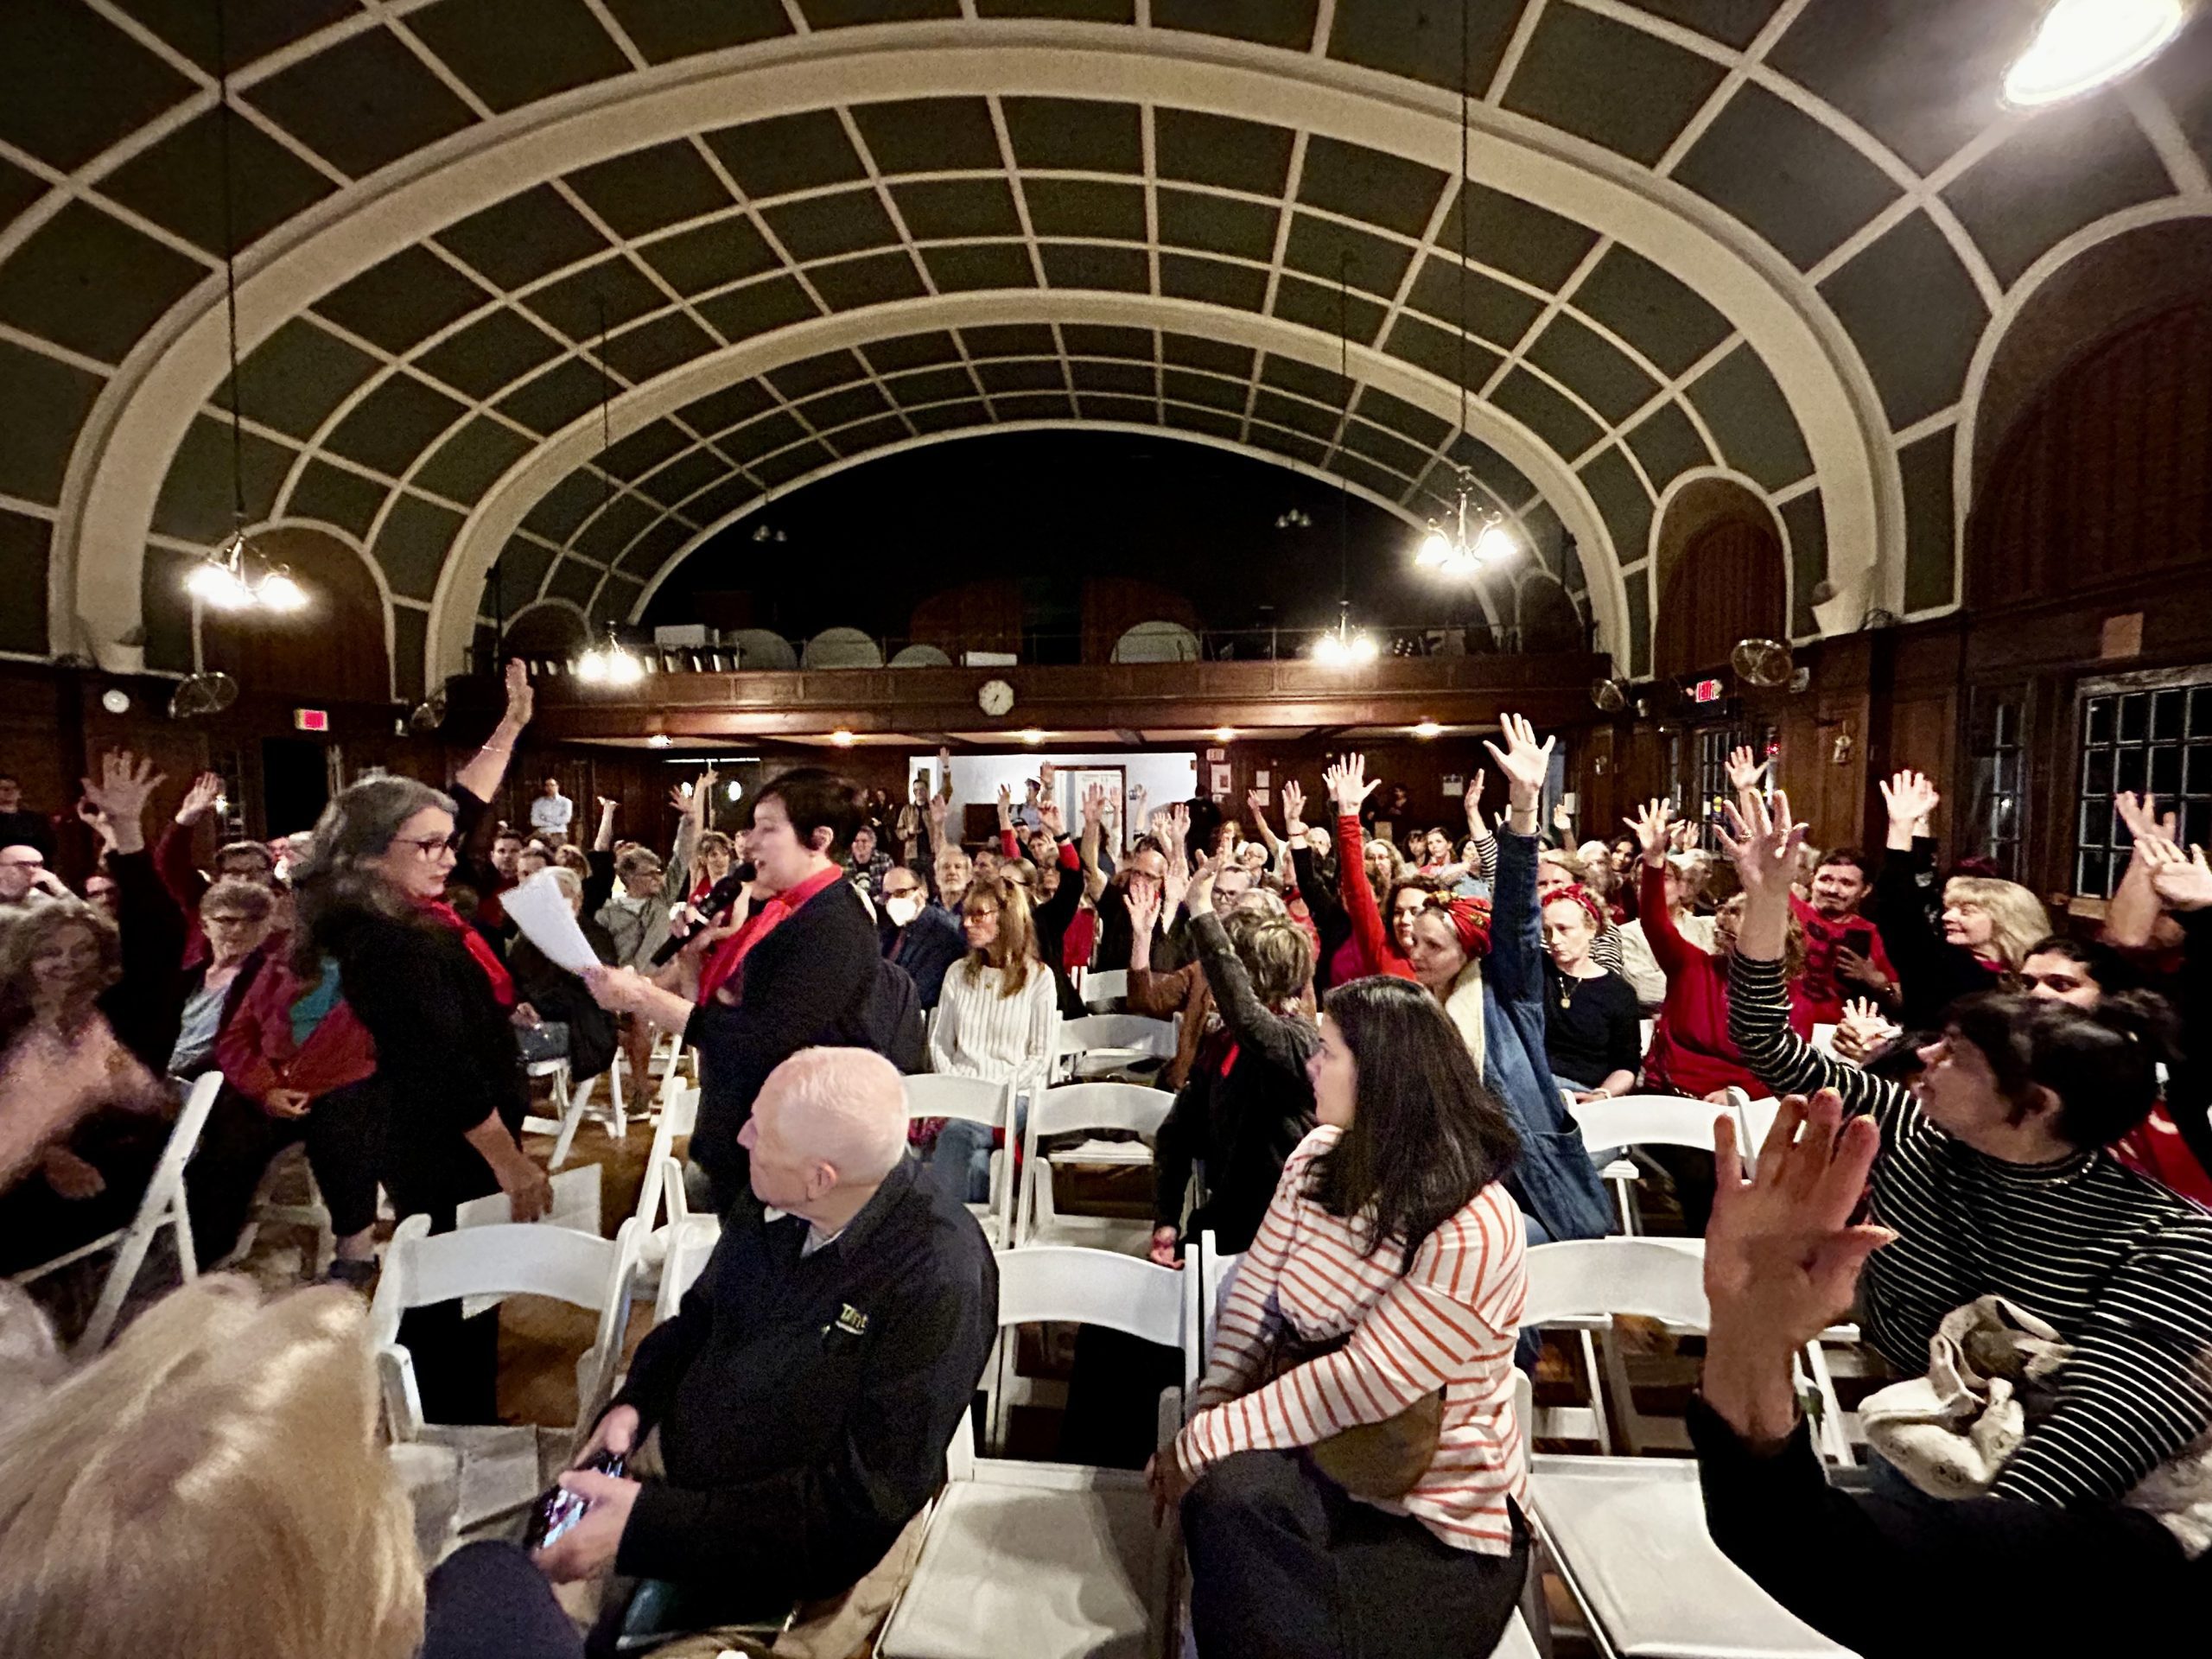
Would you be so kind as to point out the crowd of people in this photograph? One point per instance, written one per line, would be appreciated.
(1386, 1027)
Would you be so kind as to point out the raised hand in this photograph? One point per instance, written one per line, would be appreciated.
(1764, 845)
(1048, 814)
(679, 798)
(1094, 806)
(1910, 798)
(522, 701)
(1745, 768)
(1005, 807)
(1293, 808)
(200, 799)
(2182, 881)
(97, 821)
(1650, 825)
(1144, 908)
(1200, 894)
(1472, 800)
(1782, 1259)
(1862, 1032)
(1524, 763)
(1176, 883)
(1179, 833)
(1045, 772)
(2140, 814)
(938, 806)
(1348, 784)
(126, 781)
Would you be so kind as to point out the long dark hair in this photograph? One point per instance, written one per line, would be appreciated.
(332, 882)
(1426, 1135)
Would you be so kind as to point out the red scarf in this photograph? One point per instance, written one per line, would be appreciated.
(503, 985)
(729, 956)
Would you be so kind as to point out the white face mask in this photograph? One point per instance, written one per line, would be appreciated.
(903, 908)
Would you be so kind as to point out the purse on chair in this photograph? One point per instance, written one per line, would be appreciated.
(1383, 1460)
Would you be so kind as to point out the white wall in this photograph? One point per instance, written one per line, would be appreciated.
(1165, 777)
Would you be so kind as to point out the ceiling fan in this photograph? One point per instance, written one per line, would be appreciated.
(1763, 663)
(202, 693)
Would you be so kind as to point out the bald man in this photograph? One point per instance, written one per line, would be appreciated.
(804, 1395)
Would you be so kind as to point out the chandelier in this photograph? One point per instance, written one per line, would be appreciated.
(1342, 647)
(2084, 43)
(610, 664)
(221, 580)
(1477, 537)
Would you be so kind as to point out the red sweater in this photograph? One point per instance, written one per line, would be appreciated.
(1378, 952)
(1691, 1053)
(1816, 992)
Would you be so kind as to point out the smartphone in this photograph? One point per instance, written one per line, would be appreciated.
(1860, 940)
(560, 1509)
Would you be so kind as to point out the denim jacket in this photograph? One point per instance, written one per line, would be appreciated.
(1556, 1180)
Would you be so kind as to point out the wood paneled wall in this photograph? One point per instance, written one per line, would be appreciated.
(1728, 585)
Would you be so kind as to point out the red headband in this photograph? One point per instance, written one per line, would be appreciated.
(1469, 919)
(1582, 896)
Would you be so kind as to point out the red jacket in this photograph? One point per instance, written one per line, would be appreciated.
(2154, 1147)
(1816, 993)
(1691, 1053)
(256, 1050)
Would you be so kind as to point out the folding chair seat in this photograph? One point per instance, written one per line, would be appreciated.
(573, 1103)
(1628, 1535)
(1051, 1560)
(1073, 1108)
(162, 1206)
(1629, 1120)
(974, 1100)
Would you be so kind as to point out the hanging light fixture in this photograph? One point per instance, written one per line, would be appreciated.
(1475, 536)
(608, 664)
(2084, 43)
(1341, 647)
(224, 580)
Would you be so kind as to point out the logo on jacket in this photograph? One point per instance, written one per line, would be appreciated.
(852, 1321)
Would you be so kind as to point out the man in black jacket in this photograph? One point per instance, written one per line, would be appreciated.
(803, 970)
(803, 1398)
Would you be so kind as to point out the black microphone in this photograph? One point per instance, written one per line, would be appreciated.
(711, 909)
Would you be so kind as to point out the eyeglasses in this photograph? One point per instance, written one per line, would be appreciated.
(429, 846)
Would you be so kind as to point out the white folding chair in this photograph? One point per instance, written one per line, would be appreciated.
(1628, 1535)
(572, 1104)
(691, 1241)
(679, 1113)
(1035, 1561)
(974, 1100)
(1071, 1108)
(502, 1469)
(163, 1205)
(1104, 990)
(1100, 1043)
(1626, 1121)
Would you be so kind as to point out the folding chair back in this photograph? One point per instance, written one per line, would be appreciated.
(1060, 1282)
(974, 1100)
(1073, 1107)
(1102, 1042)
(1590, 1280)
(1645, 1121)
(679, 1112)
(502, 1259)
(1104, 990)
(691, 1240)
(163, 1205)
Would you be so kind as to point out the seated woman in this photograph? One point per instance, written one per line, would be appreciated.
(1592, 1033)
(1247, 1103)
(1987, 923)
(1351, 1481)
(1996, 1173)
(215, 1482)
(554, 1015)
(997, 1014)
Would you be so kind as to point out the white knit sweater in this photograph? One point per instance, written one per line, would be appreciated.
(983, 1032)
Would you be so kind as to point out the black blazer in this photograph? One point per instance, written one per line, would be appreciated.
(809, 981)
(446, 1054)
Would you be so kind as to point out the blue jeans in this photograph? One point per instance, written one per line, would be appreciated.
(960, 1162)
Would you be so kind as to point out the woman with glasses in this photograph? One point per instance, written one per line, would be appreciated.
(996, 1014)
(371, 895)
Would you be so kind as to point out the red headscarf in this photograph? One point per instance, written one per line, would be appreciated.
(1581, 895)
(1469, 919)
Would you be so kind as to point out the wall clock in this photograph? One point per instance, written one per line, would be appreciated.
(994, 698)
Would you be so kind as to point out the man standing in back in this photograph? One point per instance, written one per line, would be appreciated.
(551, 812)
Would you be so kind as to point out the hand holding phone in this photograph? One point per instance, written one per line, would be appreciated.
(560, 1509)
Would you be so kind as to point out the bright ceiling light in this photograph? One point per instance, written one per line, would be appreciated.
(1473, 538)
(1495, 543)
(217, 585)
(1427, 729)
(1223, 734)
(658, 740)
(1435, 549)
(591, 668)
(279, 592)
(734, 790)
(2085, 43)
(1032, 736)
(609, 664)
(842, 738)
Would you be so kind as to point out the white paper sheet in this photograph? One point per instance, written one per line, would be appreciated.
(540, 910)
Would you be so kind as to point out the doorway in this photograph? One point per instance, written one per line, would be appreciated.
(295, 784)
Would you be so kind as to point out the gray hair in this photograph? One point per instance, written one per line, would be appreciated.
(333, 877)
(571, 884)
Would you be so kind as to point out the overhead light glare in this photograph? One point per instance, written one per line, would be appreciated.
(658, 740)
(842, 738)
(1223, 734)
(2085, 43)
(1474, 538)
(1032, 736)
(1427, 729)
(279, 592)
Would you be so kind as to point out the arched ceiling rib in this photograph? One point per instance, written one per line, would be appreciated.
(1829, 179)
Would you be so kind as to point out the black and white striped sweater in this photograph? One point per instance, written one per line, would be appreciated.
(2121, 1266)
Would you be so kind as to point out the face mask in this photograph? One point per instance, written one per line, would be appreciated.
(903, 908)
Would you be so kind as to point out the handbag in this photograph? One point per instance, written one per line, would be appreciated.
(1381, 1462)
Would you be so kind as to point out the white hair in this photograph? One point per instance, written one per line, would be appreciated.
(848, 1108)
(571, 884)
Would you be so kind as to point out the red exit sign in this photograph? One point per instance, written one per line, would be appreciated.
(311, 720)
(1705, 691)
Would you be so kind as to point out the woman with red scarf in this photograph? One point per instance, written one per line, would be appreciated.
(370, 894)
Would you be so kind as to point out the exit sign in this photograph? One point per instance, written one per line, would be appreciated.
(1705, 691)
(311, 720)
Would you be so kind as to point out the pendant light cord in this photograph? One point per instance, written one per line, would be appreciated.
(1467, 117)
(1344, 478)
(230, 260)
(606, 416)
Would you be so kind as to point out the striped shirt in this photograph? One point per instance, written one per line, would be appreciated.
(1448, 1323)
(2119, 1265)
(983, 1032)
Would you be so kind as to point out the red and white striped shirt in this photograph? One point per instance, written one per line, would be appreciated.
(1449, 1323)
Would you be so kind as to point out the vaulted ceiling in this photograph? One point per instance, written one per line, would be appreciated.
(1775, 238)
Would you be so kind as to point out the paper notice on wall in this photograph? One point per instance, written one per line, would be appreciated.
(1259, 779)
(1220, 781)
(540, 910)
